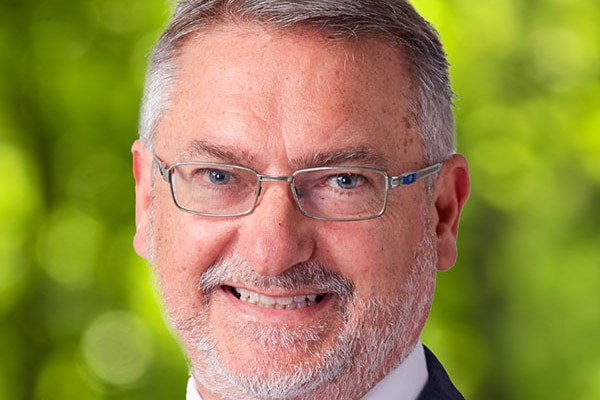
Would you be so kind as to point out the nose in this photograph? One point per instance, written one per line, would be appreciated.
(275, 236)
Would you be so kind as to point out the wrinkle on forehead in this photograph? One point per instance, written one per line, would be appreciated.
(285, 100)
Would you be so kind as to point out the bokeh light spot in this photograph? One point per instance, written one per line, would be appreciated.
(560, 57)
(117, 347)
(57, 379)
(69, 247)
(19, 187)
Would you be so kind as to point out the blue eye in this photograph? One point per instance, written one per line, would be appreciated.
(348, 181)
(218, 177)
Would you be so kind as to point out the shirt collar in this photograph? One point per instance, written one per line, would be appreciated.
(405, 382)
(192, 391)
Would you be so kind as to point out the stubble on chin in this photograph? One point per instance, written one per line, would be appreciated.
(376, 335)
(279, 368)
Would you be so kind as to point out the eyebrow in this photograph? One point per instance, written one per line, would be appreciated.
(199, 150)
(365, 156)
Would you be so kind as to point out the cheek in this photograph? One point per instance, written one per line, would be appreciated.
(181, 238)
(369, 256)
(377, 254)
(185, 245)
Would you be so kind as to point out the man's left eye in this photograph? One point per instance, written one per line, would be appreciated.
(348, 180)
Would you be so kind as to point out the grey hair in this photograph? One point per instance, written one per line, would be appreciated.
(395, 21)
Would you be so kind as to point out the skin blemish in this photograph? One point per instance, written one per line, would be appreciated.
(407, 123)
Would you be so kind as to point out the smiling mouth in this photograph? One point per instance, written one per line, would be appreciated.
(276, 303)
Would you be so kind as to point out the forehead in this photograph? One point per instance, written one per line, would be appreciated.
(294, 94)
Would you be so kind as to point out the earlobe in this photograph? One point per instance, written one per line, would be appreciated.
(142, 173)
(451, 192)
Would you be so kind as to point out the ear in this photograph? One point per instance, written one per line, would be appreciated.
(142, 172)
(450, 194)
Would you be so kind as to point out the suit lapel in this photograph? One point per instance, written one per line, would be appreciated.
(438, 386)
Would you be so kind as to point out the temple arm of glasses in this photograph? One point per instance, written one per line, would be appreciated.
(162, 168)
(411, 177)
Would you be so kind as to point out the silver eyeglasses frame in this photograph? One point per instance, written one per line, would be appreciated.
(392, 182)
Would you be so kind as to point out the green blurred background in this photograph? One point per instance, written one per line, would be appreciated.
(519, 315)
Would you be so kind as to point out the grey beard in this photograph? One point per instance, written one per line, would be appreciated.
(267, 381)
(375, 338)
(377, 334)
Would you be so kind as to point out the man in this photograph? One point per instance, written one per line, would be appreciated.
(297, 191)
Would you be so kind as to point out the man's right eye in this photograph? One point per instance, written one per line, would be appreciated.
(212, 176)
(219, 177)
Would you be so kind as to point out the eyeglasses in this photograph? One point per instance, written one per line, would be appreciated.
(324, 193)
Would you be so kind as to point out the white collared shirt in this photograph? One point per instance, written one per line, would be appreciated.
(404, 383)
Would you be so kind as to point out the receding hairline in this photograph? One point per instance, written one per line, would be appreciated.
(353, 45)
(395, 23)
(358, 50)
(247, 26)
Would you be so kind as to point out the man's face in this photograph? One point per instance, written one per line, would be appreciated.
(275, 103)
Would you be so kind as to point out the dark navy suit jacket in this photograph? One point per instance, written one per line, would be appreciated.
(438, 386)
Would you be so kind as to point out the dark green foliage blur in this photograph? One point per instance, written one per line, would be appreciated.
(518, 316)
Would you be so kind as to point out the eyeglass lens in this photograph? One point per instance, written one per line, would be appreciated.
(338, 193)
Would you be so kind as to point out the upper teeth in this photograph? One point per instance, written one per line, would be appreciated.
(278, 303)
